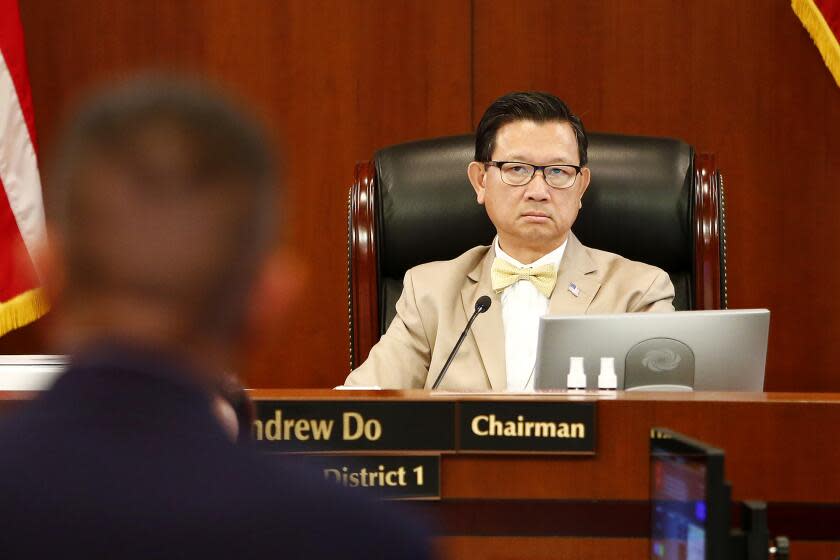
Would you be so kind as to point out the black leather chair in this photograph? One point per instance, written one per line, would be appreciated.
(651, 199)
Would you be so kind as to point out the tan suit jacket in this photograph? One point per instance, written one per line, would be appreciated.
(439, 297)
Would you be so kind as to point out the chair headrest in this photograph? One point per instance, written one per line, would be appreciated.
(637, 205)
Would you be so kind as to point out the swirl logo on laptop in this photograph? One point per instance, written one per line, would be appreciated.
(659, 364)
(661, 359)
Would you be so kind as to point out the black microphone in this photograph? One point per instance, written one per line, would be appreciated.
(482, 304)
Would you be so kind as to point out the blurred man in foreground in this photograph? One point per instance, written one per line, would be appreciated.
(161, 220)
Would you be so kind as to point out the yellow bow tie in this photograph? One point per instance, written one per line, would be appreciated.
(504, 274)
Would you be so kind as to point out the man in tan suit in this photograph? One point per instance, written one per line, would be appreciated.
(530, 173)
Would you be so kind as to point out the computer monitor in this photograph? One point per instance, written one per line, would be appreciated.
(690, 502)
(721, 350)
(35, 372)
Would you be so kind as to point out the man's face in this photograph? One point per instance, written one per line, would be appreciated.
(533, 219)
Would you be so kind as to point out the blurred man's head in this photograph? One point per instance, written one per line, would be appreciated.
(161, 212)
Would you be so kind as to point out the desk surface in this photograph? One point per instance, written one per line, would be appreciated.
(698, 396)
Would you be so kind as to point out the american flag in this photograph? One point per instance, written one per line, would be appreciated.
(822, 20)
(22, 228)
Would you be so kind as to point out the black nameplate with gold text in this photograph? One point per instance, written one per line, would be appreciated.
(299, 426)
(403, 477)
(527, 426)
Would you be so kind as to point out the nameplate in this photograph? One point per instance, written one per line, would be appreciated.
(527, 426)
(394, 477)
(349, 425)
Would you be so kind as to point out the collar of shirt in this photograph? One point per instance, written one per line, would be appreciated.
(554, 257)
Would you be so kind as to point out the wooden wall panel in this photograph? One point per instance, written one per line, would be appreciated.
(334, 79)
(339, 79)
(741, 79)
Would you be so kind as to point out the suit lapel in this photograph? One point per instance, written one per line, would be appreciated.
(574, 275)
(487, 330)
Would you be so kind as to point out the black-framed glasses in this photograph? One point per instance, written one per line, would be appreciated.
(519, 174)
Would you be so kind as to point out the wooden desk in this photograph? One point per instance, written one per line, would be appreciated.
(782, 448)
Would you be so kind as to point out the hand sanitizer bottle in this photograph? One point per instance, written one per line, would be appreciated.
(607, 380)
(576, 380)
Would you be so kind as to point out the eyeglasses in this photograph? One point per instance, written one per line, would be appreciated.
(518, 174)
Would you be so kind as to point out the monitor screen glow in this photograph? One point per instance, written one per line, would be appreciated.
(689, 499)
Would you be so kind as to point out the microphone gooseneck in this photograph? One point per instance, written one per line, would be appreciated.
(482, 304)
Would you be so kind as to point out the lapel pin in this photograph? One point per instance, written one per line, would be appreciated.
(574, 289)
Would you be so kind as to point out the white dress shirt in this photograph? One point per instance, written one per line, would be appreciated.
(522, 307)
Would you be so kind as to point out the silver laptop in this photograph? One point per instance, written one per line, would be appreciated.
(682, 351)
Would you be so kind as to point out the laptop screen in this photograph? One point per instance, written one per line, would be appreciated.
(723, 350)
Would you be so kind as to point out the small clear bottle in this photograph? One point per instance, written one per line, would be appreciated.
(607, 380)
(576, 380)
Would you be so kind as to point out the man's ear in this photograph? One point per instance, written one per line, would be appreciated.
(585, 176)
(477, 174)
(279, 282)
(49, 260)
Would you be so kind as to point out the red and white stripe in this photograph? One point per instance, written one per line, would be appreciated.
(22, 226)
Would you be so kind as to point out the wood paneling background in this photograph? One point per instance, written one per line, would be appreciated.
(740, 79)
(337, 79)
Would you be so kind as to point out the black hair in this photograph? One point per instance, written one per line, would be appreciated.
(224, 142)
(178, 144)
(534, 106)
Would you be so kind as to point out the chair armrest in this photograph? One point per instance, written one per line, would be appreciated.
(362, 280)
(709, 225)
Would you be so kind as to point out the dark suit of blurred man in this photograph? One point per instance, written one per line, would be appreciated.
(161, 212)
